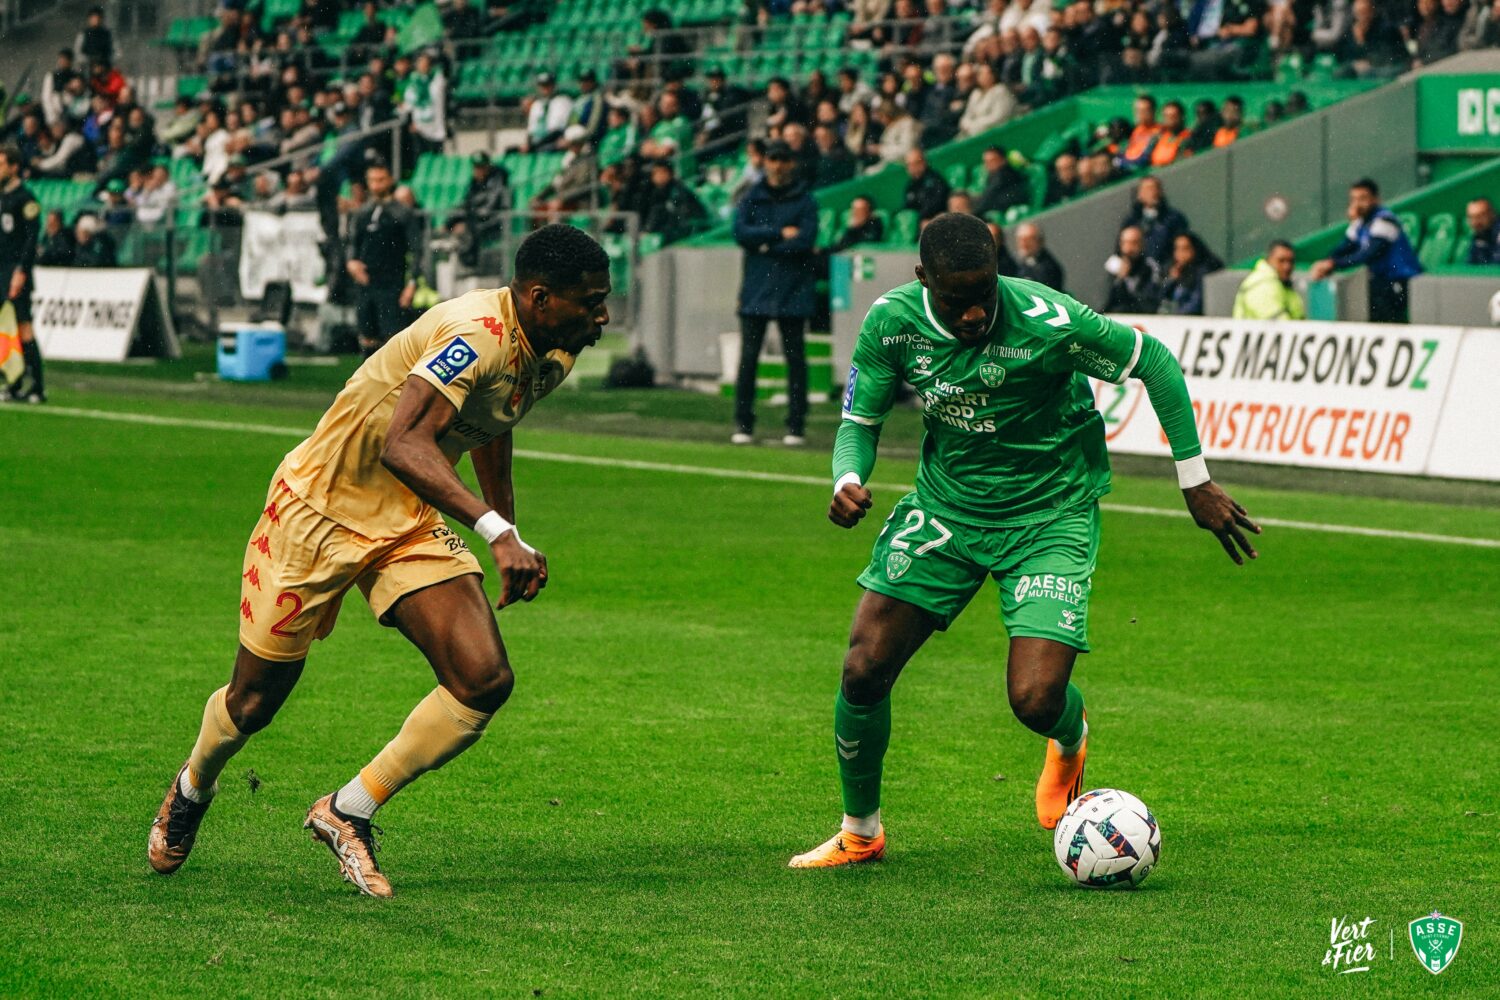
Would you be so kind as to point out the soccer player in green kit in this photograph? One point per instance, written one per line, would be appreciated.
(1013, 465)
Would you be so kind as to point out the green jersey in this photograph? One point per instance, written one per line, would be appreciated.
(1012, 433)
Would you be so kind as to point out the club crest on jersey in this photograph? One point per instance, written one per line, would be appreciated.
(896, 565)
(451, 363)
(991, 374)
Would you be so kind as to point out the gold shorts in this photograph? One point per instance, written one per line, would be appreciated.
(299, 564)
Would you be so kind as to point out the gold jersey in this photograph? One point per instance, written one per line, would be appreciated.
(470, 349)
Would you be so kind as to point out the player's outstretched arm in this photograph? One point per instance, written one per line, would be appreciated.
(853, 461)
(1212, 508)
(411, 454)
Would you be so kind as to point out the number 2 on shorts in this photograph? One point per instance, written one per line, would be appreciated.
(915, 519)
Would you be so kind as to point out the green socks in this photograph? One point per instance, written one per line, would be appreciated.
(1068, 729)
(861, 734)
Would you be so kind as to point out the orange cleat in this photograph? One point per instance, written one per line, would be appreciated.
(352, 841)
(1061, 782)
(174, 829)
(843, 849)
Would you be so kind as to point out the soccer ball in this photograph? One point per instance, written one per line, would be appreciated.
(1106, 838)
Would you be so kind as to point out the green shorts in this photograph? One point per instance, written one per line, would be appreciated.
(1045, 570)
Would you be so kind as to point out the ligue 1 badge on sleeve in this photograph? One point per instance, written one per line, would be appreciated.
(1435, 939)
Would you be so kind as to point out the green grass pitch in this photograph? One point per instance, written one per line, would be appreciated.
(1316, 733)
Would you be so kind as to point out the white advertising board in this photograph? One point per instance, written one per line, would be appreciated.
(90, 314)
(1359, 396)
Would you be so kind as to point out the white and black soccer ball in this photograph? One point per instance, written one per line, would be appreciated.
(1107, 838)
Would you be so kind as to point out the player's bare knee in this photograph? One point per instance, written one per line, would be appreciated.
(1037, 706)
(867, 674)
(252, 710)
(486, 688)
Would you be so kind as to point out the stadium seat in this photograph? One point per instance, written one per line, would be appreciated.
(1437, 246)
(905, 227)
(1412, 223)
(957, 176)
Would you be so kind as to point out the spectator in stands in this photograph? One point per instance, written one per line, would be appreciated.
(547, 114)
(371, 37)
(926, 190)
(1296, 104)
(385, 243)
(961, 202)
(672, 135)
(574, 181)
(58, 245)
(1375, 239)
(1034, 261)
(588, 106)
(116, 210)
(723, 115)
(1095, 171)
(1005, 264)
(1063, 180)
(1231, 121)
(93, 246)
(852, 90)
(1206, 124)
(777, 225)
(487, 196)
(76, 99)
(942, 105)
(1136, 155)
(989, 105)
(119, 157)
(899, 133)
(107, 82)
(815, 90)
(28, 141)
(753, 170)
(1172, 45)
(1481, 29)
(783, 105)
(1135, 279)
(1268, 292)
(296, 196)
(833, 163)
(1432, 33)
(663, 56)
(462, 23)
(157, 197)
(620, 135)
(861, 225)
(672, 209)
(1370, 46)
(64, 153)
(796, 136)
(1004, 185)
(55, 85)
(1158, 221)
(862, 136)
(1227, 44)
(1182, 286)
(1484, 240)
(424, 102)
(1174, 134)
(95, 43)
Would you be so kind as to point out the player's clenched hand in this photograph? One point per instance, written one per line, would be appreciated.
(849, 505)
(522, 569)
(1216, 511)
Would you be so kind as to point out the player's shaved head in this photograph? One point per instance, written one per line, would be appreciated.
(956, 242)
(958, 268)
(560, 286)
(559, 255)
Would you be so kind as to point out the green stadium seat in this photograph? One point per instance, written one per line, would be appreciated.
(1438, 243)
(978, 178)
(957, 176)
(905, 227)
(1412, 223)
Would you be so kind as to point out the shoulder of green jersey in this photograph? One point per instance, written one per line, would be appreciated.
(1050, 313)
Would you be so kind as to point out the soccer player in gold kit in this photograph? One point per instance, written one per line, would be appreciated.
(361, 503)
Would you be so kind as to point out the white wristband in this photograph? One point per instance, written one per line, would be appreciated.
(491, 526)
(1192, 472)
(846, 478)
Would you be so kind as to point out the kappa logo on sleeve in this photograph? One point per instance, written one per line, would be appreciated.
(849, 389)
(450, 364)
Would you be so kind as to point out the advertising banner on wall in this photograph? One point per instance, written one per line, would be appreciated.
(1360, 396)
(100, 314)
(1458, 112)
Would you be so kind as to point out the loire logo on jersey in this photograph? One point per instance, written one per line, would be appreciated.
(1435, 939)
(451, 363)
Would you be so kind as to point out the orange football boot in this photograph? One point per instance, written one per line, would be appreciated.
(352, 841)
(1061, 782)
(844, 848)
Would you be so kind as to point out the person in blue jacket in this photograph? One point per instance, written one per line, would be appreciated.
(1375, 240)
(776, 222)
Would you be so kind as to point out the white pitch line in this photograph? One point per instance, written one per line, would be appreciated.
(721, 473)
